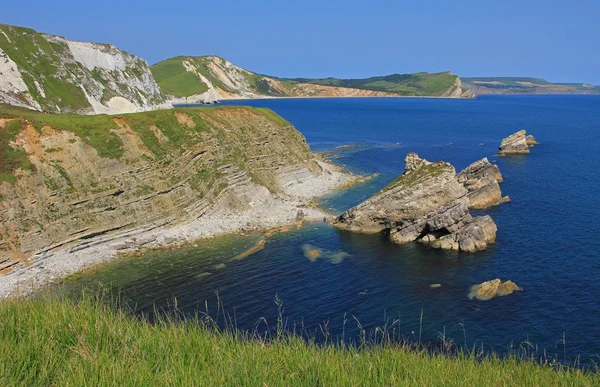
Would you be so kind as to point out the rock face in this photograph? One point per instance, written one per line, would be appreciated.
(143, 171)
(531, 141)
(494, 288)
(518, 143)
(427, 204)
(482, 180)
(50, 73)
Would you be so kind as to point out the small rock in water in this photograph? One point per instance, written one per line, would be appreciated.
(490, 289)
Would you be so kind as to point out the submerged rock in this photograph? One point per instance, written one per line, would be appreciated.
(482, 180)
(427, 204)
(494, 288)
(516, 143)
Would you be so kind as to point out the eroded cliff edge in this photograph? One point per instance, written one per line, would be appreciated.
(428, 204)
(76, 189)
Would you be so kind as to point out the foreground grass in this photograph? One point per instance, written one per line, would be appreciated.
(54, 342)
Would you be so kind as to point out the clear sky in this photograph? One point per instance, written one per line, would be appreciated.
(554, 39)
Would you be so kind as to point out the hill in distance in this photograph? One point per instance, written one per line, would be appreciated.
(525, 85)
(204, 77)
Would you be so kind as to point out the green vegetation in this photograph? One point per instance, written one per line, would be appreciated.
(11, 158)
(419, 175)
(41, 61)
(173, 78)
(419, 84)
(93, 130)
(99, 131)
(58, 342)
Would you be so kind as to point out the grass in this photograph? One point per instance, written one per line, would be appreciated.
(418, 175)
(419, 84)
(173, 78)
(86, 342)
(38, 59)
(11, 158)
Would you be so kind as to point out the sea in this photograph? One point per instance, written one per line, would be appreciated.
(359, 286)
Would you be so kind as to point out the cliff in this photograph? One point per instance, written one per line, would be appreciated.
(52, 74)
(426, 203)
(74, 182)
(210, 78)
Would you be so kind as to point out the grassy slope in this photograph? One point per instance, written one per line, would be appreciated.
(39, 60)
(173, 78)
(82, 343)
(96, 131)
(421, 84)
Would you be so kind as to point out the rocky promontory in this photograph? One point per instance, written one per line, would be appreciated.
(426, 203)
(494, 288)
(482, 180)
(517, 143)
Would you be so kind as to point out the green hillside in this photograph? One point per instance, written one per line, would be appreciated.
(173, 78)
(50, 73)
(67, 343)
(421, 84)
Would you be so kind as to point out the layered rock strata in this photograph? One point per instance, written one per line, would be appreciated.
(517, 143)
(427, 204)
(481, 179)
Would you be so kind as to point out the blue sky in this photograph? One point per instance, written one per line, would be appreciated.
(556, 40)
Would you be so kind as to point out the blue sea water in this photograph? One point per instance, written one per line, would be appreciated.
(548, 235)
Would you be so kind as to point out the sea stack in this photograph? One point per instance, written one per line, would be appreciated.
(517, 143)
(482, 180)
(427, 204)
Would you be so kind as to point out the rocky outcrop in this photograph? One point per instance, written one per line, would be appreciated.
(50, 73)
(491, 289)
(481, 179)
(517, 143)
(428, 204)
(458, 91)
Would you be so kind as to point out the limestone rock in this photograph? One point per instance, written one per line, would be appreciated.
(514, 144)
(427, 204)
(494, 288)
(481, 180)
(531, 141)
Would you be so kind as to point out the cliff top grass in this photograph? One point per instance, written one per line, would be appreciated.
(62, 342)
(419, 175)
(99, 131)
(419, 84)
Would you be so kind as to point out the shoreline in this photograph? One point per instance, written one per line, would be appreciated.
(268, 213)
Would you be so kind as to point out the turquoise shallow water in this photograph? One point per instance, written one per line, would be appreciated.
(547, 240)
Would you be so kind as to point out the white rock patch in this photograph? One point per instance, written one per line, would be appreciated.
(91, 57)
(10, 76)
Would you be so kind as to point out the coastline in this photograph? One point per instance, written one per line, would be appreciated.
(267, 213)
(264, 97)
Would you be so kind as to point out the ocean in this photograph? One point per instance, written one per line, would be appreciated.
(547, 242)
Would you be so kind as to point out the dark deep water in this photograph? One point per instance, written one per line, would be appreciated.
(548, 239)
